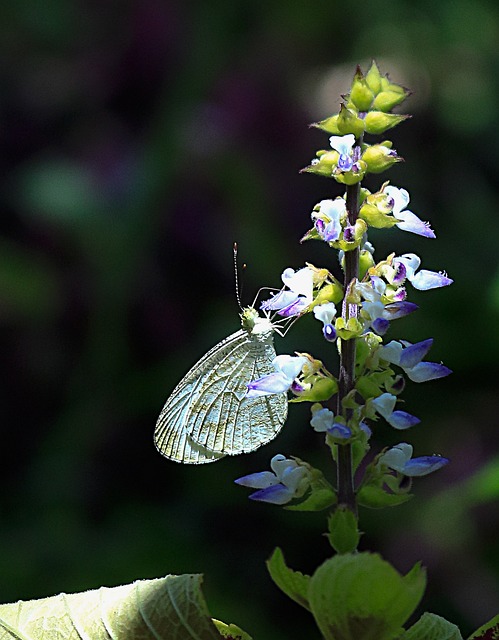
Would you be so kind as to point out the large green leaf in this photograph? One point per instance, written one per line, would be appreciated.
(170, 608)
(433, 627)
(362, 597)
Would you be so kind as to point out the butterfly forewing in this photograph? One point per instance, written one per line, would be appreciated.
(208, 414)
(224, 419)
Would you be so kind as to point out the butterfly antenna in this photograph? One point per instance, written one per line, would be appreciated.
(236, 277)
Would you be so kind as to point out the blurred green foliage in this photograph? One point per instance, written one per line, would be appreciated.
(138, 141)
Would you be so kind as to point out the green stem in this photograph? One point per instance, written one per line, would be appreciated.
(346, 382)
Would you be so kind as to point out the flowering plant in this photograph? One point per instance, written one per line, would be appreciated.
(356, 595)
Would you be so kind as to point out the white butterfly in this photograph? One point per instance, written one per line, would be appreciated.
(208, 415)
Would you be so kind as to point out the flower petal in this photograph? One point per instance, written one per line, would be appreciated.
(397, 310)
(290, 366)
(384, 404)
(300, 282)
(424, 465)
(279, 301)
(330, 210)
(325, 312)
(400, 197)
(259, 480)
(277, 494)
(425, 280)
(412, 355)
(397, 457)
(402, 420)
(425, 371)
(391, 352)
(410, 222)
(342, 144)
(381, 326)
(267, 385)
(322, 420)
(340, 431)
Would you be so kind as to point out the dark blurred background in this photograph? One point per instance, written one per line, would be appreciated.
(138, 140)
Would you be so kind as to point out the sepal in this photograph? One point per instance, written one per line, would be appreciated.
(380, 157)
(377, 122)
(390, 95)
(361, 94)
(375, 497)
(373, 78)
(352, 328)
(349, 122)
(323, 164)
(329, 125)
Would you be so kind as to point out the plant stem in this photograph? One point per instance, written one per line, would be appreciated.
(346, 490)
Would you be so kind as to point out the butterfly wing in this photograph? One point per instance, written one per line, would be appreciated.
(224, 419)
(208, 416)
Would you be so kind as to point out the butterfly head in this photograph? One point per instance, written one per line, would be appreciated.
(254, 324)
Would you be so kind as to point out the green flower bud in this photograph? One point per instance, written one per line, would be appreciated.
(373, 78)
(329, 125)
(366, 261)
(332, 292)
(377, 122)
(349, 122)
(359, 229)
(343, 533)
(324, 164)
(380, 157)
(390, 96)
(347, 330)
(361, 94)
(376, 218)
(321, 389)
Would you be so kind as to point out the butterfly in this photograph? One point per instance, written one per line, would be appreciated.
(208, 415)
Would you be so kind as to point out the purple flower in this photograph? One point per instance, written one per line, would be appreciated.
(287, 368)
(399, 458)
(325, 313)
(328, 216)
(424, 279)
(408, 220)
(344, 146)
(289, 480)
(323, 420)
(409, 358)
(384, 405)
(299, 296)
(375, 313)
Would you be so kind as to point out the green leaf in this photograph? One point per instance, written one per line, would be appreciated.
(433, 627)
(293, 583)
(362, 597)
(489, 631)
(318, 500)
(170, 608)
